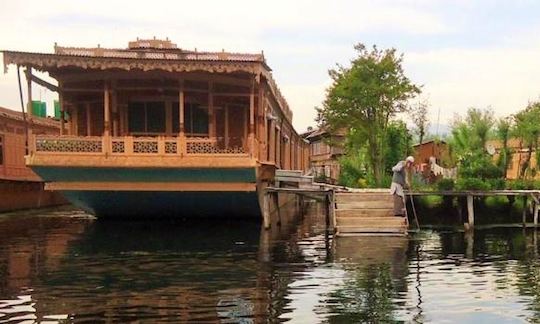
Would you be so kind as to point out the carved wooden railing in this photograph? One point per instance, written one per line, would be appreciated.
(139, 146)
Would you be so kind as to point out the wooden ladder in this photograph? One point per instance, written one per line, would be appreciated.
(367, 213)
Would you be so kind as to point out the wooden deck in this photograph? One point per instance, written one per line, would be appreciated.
(367, 213)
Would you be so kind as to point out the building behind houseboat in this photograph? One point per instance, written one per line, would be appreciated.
(155, 130)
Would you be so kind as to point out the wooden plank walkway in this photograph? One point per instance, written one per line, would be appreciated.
(367, 213)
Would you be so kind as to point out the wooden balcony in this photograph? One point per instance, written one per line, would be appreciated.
(133, 151)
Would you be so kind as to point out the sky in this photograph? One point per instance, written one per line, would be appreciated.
(483, 53)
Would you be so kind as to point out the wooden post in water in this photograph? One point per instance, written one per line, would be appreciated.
(327, 209)
(524, 213)
(266, 211)
(275, 197)
(535, 211)
(470, 211)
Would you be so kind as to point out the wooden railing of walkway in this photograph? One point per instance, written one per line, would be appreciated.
(470, 194)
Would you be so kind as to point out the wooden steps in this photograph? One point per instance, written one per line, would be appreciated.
(367, 213)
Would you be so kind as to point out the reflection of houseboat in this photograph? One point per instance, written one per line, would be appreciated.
(159, 130)
(20, 188)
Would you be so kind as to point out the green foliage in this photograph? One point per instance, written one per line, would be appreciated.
(472, 184)
(398, 142)
(364, 97)
(445, 185)
(470, 135)
(522, 184)
(527, 129)
(352, 172)
(504, 125)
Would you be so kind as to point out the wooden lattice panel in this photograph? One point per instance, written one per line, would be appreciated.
(69, 145)
(211, 148)
(145, 146)
(171, 148)
(118, 146)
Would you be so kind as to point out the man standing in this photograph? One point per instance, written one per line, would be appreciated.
(400, 181)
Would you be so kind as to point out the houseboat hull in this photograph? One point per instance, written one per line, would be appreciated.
(115, 192)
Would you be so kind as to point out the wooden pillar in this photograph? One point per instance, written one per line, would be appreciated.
(470, 210)
(62, 112)
(272, 140)
(181, 108)
(29, 92)
(251, 134)
(211, 112)
(107, 110)
(74, 117)
(261, 122)
(88, 120)
(226, 113)
(115, 110)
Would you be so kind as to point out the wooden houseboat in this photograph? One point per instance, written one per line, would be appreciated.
(155, 130)
(20, 188)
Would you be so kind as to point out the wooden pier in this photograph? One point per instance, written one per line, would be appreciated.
(352, 212)
(367, 213)
(534, 195)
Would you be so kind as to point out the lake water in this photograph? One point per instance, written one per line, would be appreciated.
(63, 266)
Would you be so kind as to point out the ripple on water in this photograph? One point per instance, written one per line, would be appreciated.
(65, 266)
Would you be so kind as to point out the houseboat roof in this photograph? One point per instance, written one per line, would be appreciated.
(148, 55)
(18, 116)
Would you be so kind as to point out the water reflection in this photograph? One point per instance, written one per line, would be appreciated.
(62, 265)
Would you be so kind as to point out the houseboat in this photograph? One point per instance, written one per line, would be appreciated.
(156, 130)
(20, 187)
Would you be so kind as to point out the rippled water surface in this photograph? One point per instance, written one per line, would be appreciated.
(64, 266)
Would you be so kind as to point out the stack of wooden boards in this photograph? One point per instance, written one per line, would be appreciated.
(367, 213)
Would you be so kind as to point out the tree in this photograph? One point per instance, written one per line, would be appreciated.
(527, 129)
(364, 97)
(502, 132)
(471, 133)
(419, 116)
(468, 143)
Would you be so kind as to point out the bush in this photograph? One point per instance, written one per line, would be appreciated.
(520, 184)
(496, 184)
(445, 185)
(472, 184)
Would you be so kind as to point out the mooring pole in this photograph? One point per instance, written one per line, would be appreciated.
(266, 210)
(276, 202)
(327, 202)
(536, 207)
(524, 212)
(470, 210)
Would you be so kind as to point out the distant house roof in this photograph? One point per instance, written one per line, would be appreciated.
(319, 132)
(430, 141)
(17, 115)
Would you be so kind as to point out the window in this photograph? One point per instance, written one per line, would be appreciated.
(147, 117)
(195, 119)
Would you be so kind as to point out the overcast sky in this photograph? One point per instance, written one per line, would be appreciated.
(464, 53)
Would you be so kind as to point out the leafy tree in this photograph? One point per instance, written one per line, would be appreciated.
(502, 132)
(398, 142)
(527, 129)
(419, 116)
(470, 134)
(468, 142)
(364, 97)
